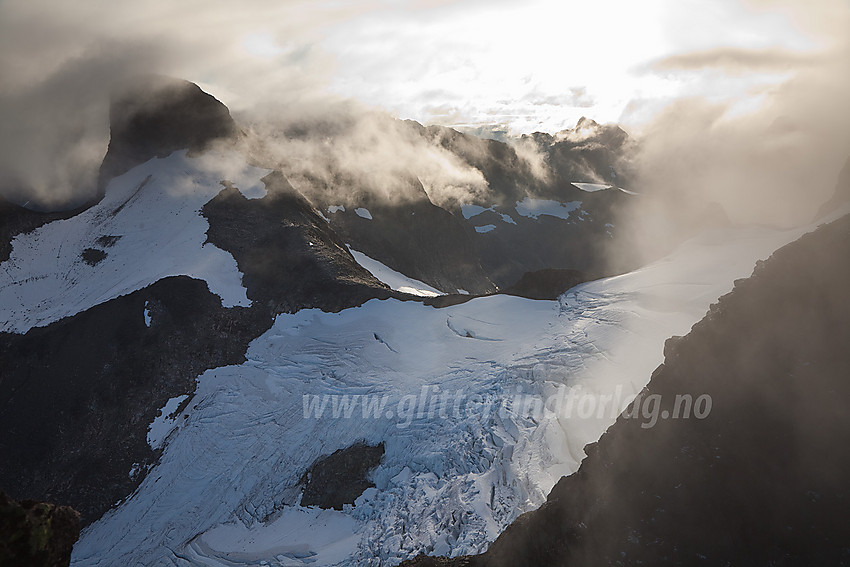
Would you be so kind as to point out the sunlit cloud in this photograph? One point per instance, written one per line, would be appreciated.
(497, 65)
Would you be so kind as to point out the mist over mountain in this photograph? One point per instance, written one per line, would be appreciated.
(423, 283)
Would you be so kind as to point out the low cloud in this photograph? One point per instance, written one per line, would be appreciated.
(342, 151)
(771, 160)
(735, 60)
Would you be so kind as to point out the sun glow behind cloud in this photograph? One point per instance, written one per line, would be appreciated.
(543, 64)
(486, 64)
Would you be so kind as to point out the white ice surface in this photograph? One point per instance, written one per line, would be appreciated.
(591, 187)
(396, 280)
(155, 210)
(469, 211)
(533, 208)
(363, 213)
(164, 422)
(444, 485)
(298, 536)
(336, 209)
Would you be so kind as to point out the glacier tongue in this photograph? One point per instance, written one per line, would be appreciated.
(225, 491)
(147, 227)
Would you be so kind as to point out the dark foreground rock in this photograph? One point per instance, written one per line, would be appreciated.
(760, 480)
(76, 396)
(36, 534)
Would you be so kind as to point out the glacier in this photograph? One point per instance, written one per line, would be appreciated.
(225, 491)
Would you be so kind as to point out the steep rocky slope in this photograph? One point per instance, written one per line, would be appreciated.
(761, 479)
(553, 205)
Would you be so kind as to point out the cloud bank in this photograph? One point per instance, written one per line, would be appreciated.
(730, 98)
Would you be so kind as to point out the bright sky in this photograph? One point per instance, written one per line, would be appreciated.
(540, 65)
(487, 64)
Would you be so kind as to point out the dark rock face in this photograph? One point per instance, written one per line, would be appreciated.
(589, 149)
(36, 534)
(546, 284)
(760, 480)
(289, 256)
(437, 245)
(340, 478)
(527, 245)
(154, 116)
(76, 396)
(418, 239)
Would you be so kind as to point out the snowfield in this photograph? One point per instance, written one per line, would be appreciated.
(147, 227)
(454, 473)
(396, 280)
(590, 187)
(533, 208)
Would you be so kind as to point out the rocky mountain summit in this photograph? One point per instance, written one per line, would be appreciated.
(152, 116)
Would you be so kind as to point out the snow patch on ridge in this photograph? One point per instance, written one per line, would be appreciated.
(147, 227)
(590, 187)
(533, 208)
(469, 211)
(396, 280)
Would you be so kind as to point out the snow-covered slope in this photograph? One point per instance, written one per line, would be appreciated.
(453, 474)
(394, 279)
(147, 227)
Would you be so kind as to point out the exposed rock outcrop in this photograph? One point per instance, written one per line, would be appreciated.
(290, 257)
(341, 477)
(153, 115)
